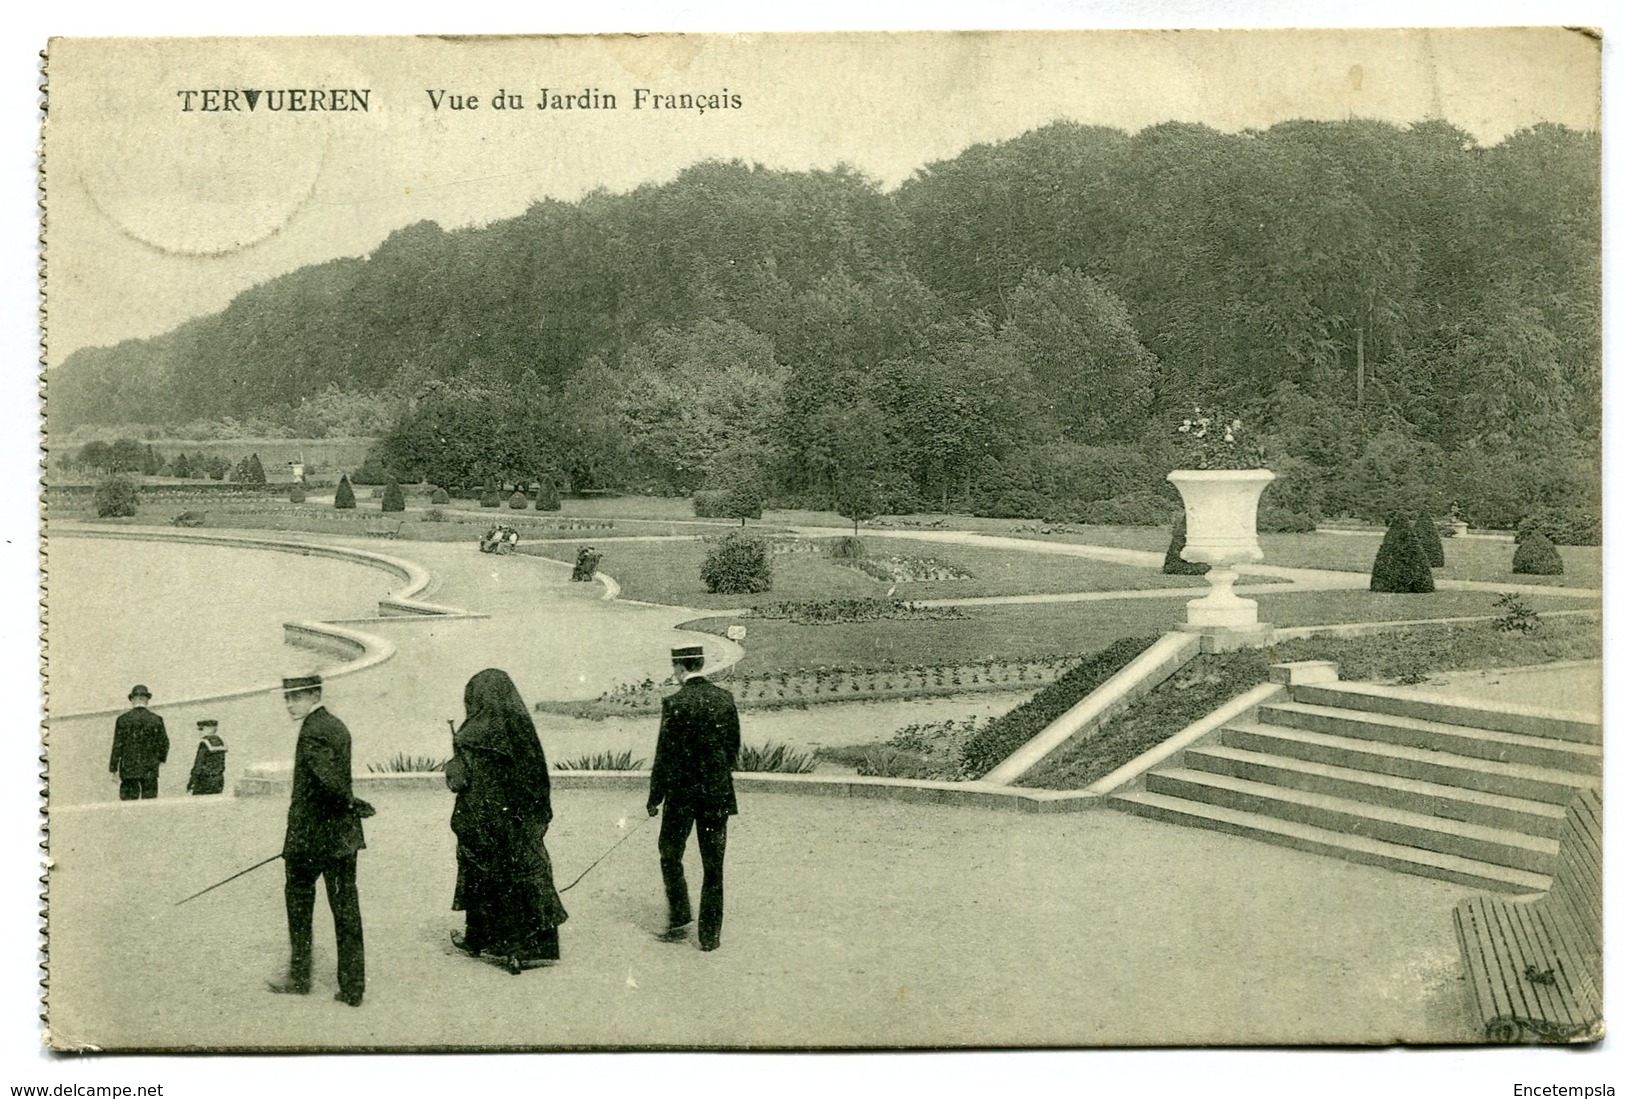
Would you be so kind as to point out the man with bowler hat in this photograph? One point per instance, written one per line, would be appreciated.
(209, 765)
(324, 834)
(140, 744)
(693, 775)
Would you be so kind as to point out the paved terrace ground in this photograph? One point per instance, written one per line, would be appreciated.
(859, 923)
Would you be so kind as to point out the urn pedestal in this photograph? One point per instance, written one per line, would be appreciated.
(1221, 530)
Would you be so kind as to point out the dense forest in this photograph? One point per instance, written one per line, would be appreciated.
(1407, 319)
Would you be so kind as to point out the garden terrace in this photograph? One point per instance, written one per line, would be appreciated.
(669, 572)
(1028, 630)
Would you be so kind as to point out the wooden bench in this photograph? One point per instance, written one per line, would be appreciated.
(1535, 966)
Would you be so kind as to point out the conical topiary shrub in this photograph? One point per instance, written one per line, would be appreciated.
(547, 495)
(1175, 565)
(344, 496)
(394, 498)
(1432, 545)
(489, 498)
(1402, 563)
(1537, 557)
(440, 498)
(296, 494)
(518, 501)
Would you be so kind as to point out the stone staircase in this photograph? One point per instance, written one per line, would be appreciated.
(1467, 794)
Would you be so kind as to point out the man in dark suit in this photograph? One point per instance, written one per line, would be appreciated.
(693, 775)
(324, 834)
(140, 744)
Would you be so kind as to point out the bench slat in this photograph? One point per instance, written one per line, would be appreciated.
(1559, 931)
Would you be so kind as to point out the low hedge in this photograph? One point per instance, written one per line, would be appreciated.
(989, 746)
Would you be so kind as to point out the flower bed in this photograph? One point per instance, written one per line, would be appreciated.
(840, 684)
(826, 612)
(896, 568)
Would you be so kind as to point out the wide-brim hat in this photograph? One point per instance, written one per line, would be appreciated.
(688, 652)
(140, 691)
(301, 683)
(208, 723)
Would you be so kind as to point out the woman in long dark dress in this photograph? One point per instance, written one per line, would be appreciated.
(504, 877)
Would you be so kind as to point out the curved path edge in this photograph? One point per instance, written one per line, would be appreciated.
(260, 781)
(367, 650)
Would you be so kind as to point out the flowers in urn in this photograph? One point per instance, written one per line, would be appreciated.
(1212, 438)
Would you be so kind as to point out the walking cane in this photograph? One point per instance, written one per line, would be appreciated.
(233, 878)
(629, 834)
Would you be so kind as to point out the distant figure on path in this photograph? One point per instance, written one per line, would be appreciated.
(209, 765)
(140, 745)
(695, 756)
(324, 834)
(586, 564)
(504, 805)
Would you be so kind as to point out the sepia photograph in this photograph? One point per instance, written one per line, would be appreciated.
(931, 540)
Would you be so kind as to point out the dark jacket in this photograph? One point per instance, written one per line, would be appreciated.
(697, 750)
(323, 817)
(140, 743)
(208, 766)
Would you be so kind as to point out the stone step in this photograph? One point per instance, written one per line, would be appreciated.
(1321, 841)
(1511, 719)
(1535, 818)
(1500, 846)
(1537, 751)
(1468, 772)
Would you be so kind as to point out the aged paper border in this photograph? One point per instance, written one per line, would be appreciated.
(1453, 1072)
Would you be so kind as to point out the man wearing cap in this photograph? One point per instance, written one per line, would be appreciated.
(209, 765)
(324, 834)
(140, 745)
(693, 775)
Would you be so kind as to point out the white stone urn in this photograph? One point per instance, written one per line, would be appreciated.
(1221, 530)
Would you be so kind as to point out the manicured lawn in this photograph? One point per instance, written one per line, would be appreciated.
(669, 572)
(1486, 559)
(1034, 629)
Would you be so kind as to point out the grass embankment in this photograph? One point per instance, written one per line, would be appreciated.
(1209, 681)
(669, 573)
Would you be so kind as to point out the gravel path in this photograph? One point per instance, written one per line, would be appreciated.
(859, 923)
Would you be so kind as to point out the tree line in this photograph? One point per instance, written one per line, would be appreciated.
(1409, 319)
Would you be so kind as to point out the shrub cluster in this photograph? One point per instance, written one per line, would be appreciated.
(489, 498)
(1564, 527)
(440, 497)
(990, 744)
(738, 565)
(296, 494)
(394, 498)
(116, 498)
(1402, 562)
(847, 548)
(1536, 556)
